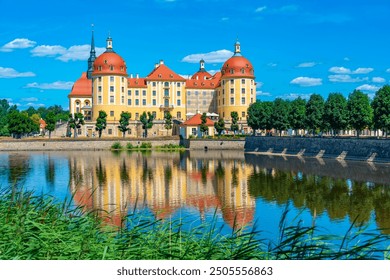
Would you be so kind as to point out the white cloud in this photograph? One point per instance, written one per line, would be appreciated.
(306, 81)
(363, 70)
(78, 52)
(345, 79)
(56, 85)
(19, 43)
(12, 73)
(211, 57)
(271, 64)
(343, 70)
(378, 80)
(340, 70)
(260, 9)
(29, 99)
(307, 64)
(225, 19)
(388, 70)
(347, 59)
(259, 84)
(31, 104)
(369, 88)
(292, 96)
(262, 93)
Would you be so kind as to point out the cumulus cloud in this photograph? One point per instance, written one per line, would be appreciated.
(60, 85)
(211, 57)
(306, 81)
(272, 64)
(260, 9)
(388, 70)
(368, 88)
(262, 93)
(292, 96)
(378, 80)
(343, 70)
(78, 52)
(345, 79)
(19, 43)
(307, 64)
(12, 73)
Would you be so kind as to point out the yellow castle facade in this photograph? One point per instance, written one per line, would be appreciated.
(107, 86)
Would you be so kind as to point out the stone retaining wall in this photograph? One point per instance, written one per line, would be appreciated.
(76, 145)
(361, 149)
(210, 144)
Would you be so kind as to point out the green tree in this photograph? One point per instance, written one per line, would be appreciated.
(359, 110)
(259, 115)
(315, 113)
(168, 120)
(234, 126)
(335, 112)
(147, 122)
(31, 111)
(50, 123)
(203, 127)
(19, 123)
(101, 122)
(219, 126)
(75, 122)
(35, 118)
(381, 108)
(5, 109)
(124, 123)
(297, 114)
(280, 115)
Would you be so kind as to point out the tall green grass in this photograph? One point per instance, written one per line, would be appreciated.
(38, 227)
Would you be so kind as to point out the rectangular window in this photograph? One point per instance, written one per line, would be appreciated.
(194, 131)
(122, 89)
(99, 99)
(112, 89)
(137, 102)
(231, 101)
(109, 131)
(178, 102)
(154, 114)
(143, 102)
(129, 92)
(243, 90)
(112, 100)
(144, 93)
(204, 93)
(154, 84)
(111, 113)
(243, 101)
(232, 90)
(243, 81)
(178, 115)
(99, 88)
(99, 79)
(137, 93)
(123, 79)
(154, 102)
(129, 102)
(178, 84)
(111, 78)
(154, 93)
(166, 92)
(136, 116)
(232, 82)
(188, 102)
(122, 99)
(243, 114)
(178, 93)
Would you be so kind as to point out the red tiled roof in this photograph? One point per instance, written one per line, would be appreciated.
(163, 73)
(109, 63)
(136, 83)
(82, 87)
(237, 66)
(196, 120)
(201, 75)
(210, 83)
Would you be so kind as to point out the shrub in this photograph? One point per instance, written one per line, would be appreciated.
(129, 146)
(116, 146)
(146, 145)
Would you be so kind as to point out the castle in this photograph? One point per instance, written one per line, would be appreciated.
(107, 86)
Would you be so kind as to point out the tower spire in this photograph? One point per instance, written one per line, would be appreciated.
(237, 48)
(92, 56)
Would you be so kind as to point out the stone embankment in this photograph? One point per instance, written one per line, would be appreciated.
(342, 149)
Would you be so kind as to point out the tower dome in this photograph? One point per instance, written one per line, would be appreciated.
(109, 62)
(237, 65)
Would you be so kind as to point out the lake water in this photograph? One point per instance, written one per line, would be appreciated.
(230, 186)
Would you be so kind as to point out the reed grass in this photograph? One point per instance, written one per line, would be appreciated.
(39, 228)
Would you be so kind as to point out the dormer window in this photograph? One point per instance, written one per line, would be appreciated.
(231, 71)
(99, 68)
(111, 68)
(105, 61)
(159, 75)
(242, 70)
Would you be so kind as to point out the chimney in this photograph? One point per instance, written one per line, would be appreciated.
(137, 76)
(161, 62)
(131, 76)
(155, 65)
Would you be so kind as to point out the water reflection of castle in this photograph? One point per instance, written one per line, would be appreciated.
(164, 183)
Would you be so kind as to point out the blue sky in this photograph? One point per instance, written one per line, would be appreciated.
(296, 47)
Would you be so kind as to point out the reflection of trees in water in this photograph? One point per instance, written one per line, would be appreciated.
(19, 167)
(147, 172)
(339, 198)
(124, 172)
(50, 172)
(234, 174)
(101, 173)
